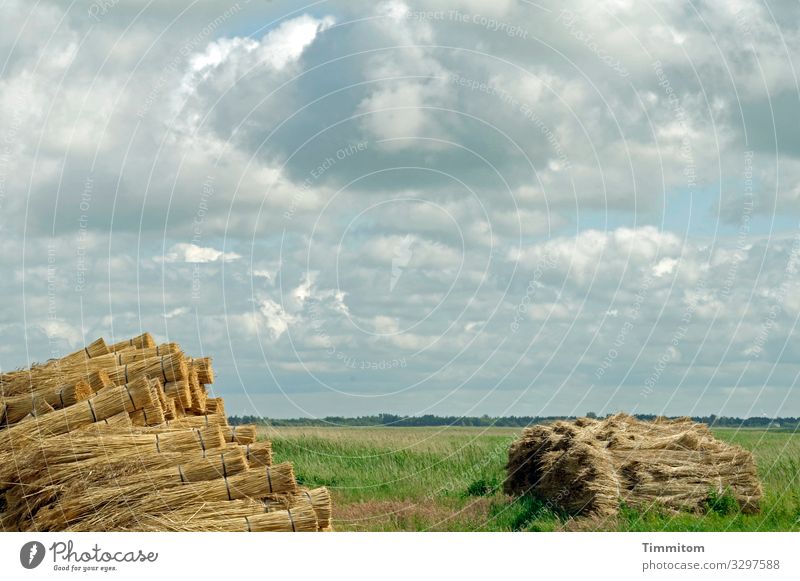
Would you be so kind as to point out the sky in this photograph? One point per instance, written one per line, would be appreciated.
(450, 207)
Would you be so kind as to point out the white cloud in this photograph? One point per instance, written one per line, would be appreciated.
(183, 252)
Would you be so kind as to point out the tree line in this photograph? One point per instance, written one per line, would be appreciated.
(428, 420)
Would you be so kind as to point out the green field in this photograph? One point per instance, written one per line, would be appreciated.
(448, 479)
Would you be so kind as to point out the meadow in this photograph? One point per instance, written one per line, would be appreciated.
(450, 479)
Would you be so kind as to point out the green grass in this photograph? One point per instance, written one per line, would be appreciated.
(419, 479)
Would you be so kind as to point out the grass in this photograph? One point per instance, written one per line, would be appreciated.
(422, 479)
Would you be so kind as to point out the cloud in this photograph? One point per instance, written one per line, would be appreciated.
(183, 252)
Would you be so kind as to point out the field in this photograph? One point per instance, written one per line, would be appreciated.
(448, 479)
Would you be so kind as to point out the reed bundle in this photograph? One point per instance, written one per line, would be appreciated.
(72, 458)
(98, 380)
(126, 437)
(162, 397)
(199, 394)
(180, 390)
(104, 404)
(13, 381)
(170, 410)
(167, 368)
(57, 462)
(121, 477)
(258, 454)
(45, 379)
(17, 407)
(301, 519)
(39, 407)
(204, 369)
(320, 501)
(240, 434)
(117, 421)
(199, 421)
(96, 348)
(254, 483)
(151, 415)
(215, 405)
(110, 508)
(143, 341)
(592, 467)
(132, 355)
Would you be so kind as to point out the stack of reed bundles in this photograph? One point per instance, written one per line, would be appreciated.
(124, 437)
(592, 467)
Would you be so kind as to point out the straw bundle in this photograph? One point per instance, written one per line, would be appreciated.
(254, 483)
(53, 366)
(79, 456)
(92, 441)
(591, 467)
(320, 501)
(258, 454)
(103, 508)
(98, 380)
(215, 405)
(167, 368)
(117, 421)
(104, 404)
(199, 395)
(301, 519)
(39, 407)
(94, 349)
(42, 379)
(204, 369)
(143, 341)
(170, 410)
(198, 422)
(151, 415)
(120, 477)
(179, 390)
(120, 508)
(240, 434)
(132, 355)
(106, 445)
(17, 407)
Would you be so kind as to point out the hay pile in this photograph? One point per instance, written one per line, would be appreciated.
(125, 437)
(591, 467)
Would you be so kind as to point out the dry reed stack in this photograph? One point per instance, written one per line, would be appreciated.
(124, 437)
(592, 467)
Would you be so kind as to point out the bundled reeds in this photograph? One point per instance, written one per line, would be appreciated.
(258, 454)
(143, 341)
(17, 407)
(125, 437)
(215, 405)
(96, 348)
(204, 369)
(240, 434)
(39, 407)
(181, 391)
(300, 519)
(593, 466)
(104, 404)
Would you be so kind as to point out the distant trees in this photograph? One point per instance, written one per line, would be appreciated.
(428, 420)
